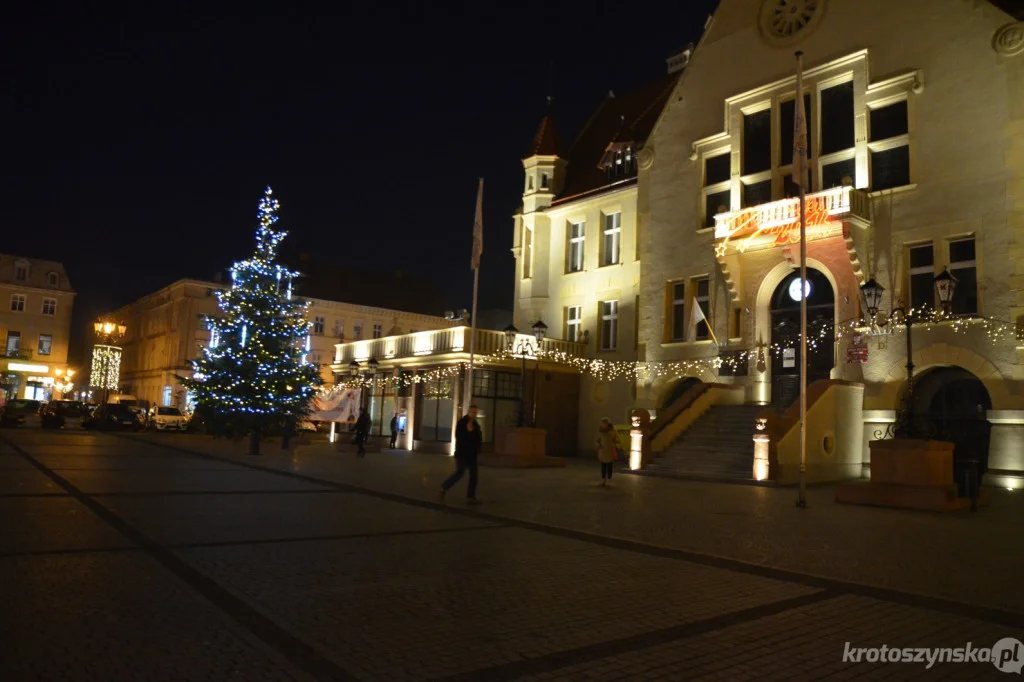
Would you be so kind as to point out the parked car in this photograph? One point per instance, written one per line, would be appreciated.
(52, 417)
(113, 418)
(21, 412)
(72, 412)
(167, 419)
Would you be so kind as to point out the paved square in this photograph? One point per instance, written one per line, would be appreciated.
(180, 558)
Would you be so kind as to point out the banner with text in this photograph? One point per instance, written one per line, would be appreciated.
(337, 406)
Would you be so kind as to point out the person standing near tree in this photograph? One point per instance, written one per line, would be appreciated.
(467, 448)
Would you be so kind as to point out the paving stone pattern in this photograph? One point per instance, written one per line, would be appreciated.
(179, 558)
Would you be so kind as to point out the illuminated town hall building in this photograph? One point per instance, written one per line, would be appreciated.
(915, 115)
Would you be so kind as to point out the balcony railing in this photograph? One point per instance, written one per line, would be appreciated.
(438, 343)
(778, 222)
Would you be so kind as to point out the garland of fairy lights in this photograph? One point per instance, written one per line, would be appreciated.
(610, 370)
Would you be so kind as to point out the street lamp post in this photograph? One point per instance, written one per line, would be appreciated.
(370, 374)
(524, 348)
(63, 384)
(907, 424)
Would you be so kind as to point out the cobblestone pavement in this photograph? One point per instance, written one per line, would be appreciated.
(173, 557)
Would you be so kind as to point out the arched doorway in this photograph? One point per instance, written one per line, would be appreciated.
(956, 403)
(677, 391)
(785, 313)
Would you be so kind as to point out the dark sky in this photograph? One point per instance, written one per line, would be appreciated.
(137, 147)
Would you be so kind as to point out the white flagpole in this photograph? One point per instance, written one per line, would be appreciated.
(801, 124)
(478, 238)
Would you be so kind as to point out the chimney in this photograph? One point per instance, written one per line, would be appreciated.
(678, 60)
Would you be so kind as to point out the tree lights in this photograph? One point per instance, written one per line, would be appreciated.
(252, 374)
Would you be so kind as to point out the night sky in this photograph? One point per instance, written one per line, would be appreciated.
(136, 147)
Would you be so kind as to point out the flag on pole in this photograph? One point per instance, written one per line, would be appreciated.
(799, 135)
(478, 227)
(696, 317)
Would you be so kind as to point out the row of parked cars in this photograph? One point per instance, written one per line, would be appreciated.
(126, 415)
(60, 414)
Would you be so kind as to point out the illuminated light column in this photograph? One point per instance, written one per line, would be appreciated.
(106, 367)
(761, 443)
(636, 444)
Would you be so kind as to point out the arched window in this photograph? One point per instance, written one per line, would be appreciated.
(52, 279)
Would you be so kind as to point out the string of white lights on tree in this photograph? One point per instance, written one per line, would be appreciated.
(256, 364)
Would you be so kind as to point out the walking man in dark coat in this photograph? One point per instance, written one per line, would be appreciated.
(362, 432)
(467, 447)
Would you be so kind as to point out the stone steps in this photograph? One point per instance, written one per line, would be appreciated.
(717, 447)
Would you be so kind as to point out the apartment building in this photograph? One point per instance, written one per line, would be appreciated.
(35, 324)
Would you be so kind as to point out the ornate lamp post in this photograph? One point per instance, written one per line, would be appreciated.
(369, 375)
(524, 348)
(907, 424)
(63, 385)
(106, 356)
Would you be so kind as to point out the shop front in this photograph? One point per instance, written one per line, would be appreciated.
(27, 380)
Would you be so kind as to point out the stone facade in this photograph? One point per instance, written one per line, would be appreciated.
(956, 93)
(576, 243)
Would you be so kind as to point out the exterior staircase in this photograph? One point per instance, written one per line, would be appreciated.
(719, 446)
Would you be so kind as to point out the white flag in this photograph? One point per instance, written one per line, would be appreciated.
(799, 131)
(696, 317)
(478, 227)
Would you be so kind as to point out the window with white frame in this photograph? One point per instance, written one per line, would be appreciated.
(577, 246)
(339, 329)
(49, 306)
(716, 195)
(318, 325)
(17, 303)
(889, 145)
(612, 242)
(45, 344)
(922, 276)
(677, 311)
(963, 266)
(573, 323)
(168, 395)
(838, 151)
(21, 272)
(52, 279)
(609, 325)
(702, 298)
(357, 332)
(378, 331)
(527, 252)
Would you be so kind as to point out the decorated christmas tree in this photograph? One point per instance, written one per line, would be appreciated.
(254, 376)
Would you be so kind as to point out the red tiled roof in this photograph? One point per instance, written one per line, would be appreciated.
(618, 118)
(545, 142)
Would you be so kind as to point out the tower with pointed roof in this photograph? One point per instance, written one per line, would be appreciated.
(544, 166)
(576, 245)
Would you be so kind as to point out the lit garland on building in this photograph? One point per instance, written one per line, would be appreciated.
(254, 366)
(645, 372)
(106, 367)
